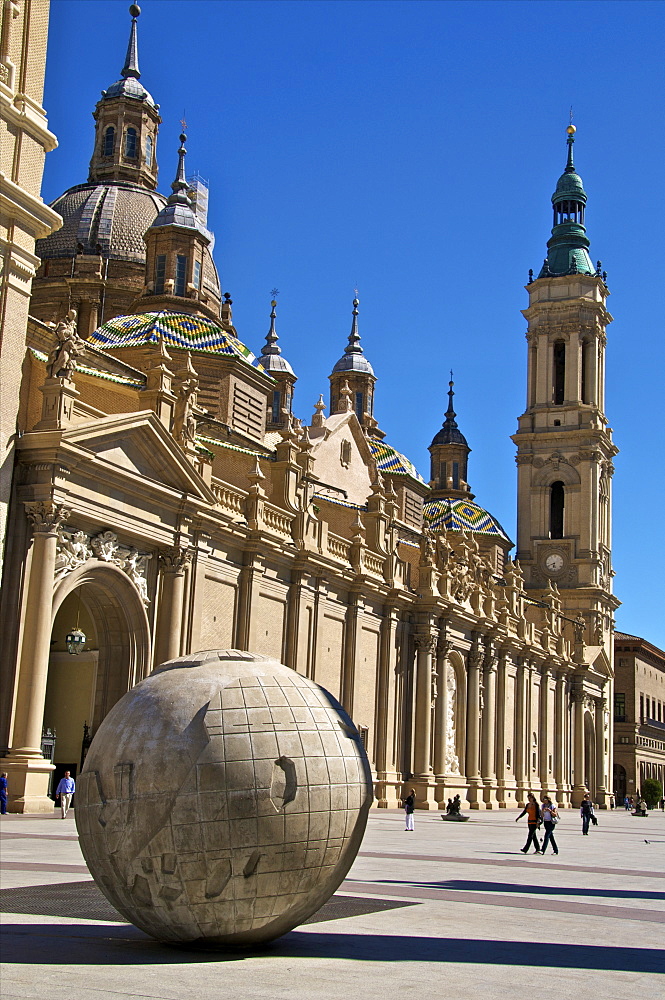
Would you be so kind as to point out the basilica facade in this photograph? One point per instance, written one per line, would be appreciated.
(167, 498)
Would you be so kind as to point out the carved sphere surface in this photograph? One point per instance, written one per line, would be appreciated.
(223, 799)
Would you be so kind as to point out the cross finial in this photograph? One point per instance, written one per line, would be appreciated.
(571, 115)
(274, 293)
(183, 120)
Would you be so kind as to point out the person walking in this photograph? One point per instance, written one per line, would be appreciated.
(66, 788)
(532, 810)
(409, 806)
(3, 793)
(586, 812)
(550, 815)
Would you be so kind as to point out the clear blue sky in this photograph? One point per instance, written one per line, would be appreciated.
(411, 149)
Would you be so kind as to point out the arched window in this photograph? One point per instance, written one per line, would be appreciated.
(276, 406)
(160, 273)
(130, 143)
(556, 510)
(180, 274)
(559, 364)
(360, 406)
(148, 151)
(109, 141)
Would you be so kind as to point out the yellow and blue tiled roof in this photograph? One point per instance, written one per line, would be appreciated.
(179, 330)
(455, 514)
(389, 460)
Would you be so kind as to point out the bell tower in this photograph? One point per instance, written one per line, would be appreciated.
(126, 125)
(564, 444)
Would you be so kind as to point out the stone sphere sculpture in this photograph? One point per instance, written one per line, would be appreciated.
(223, 799)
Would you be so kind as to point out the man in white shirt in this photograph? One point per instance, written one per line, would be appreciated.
(66, 788)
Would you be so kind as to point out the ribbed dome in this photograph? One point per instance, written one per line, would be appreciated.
(114, 218)
(569, 186)
(450, 434)
(111, 216)
(129, 87)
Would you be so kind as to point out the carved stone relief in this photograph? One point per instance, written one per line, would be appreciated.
(74, 548)
(452, 760)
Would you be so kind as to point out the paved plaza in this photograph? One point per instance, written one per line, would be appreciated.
(452, 908)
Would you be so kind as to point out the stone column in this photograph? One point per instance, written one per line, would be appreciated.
(441, 709)
(174, 562)
(27, 769)
(292, 630)
(425, 648)
(579, 786)
(520, 736)
(500, 737)
(601, 794)
(350, 647)
(386, 772)
(560, 737)
(488, 759)
(543, 726)
(474, 659)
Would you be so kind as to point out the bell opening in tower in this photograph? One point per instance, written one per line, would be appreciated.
(557, 496)
(559, 364)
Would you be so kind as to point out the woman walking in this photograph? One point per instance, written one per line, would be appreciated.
(587, 814)
(532, 810)
(550, 816)
(409, 805)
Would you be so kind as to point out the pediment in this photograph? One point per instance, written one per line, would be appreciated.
(596, 658)
(137, 445)
(343, 457)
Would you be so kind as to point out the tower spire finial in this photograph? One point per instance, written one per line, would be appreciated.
(271, 337)
(450, 412)
(131, 67)
(180, 187)
(570, 131)
(353, 346)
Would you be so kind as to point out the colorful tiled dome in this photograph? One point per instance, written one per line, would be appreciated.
(389, 460)
(460, 515)
(179, 330)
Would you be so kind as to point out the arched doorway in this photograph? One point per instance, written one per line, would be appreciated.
(620, 783)
(589, 753)
(82, 688)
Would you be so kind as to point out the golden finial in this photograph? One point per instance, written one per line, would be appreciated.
(571, 130)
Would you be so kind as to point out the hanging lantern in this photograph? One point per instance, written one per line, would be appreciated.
(75, 641)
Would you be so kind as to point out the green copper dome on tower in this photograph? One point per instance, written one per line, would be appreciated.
(568, 246)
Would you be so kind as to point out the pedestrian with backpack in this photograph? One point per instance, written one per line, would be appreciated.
(532, 811)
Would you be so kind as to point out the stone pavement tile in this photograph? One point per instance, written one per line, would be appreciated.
(455, 939)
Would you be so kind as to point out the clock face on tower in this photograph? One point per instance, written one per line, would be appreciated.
(554, 562)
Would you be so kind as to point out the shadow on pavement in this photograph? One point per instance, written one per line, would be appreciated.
(469, 885)
(43, 944)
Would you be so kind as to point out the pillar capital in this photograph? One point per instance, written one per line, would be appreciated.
(46, 516)
(425, 642)
(176, 558)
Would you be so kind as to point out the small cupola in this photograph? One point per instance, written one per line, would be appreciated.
(568, 246)
(354, 372)
(449, 453)
(177, 255)
(126, 125)
(272, 361)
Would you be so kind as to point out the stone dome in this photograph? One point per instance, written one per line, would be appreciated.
(129, 87)
(111, 216)
(223, 799)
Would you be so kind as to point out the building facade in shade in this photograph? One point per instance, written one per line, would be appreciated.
(168, 499)
(639, 714)
(24, 141)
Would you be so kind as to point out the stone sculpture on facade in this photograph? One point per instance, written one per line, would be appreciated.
(223, 799)
(69, 346)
